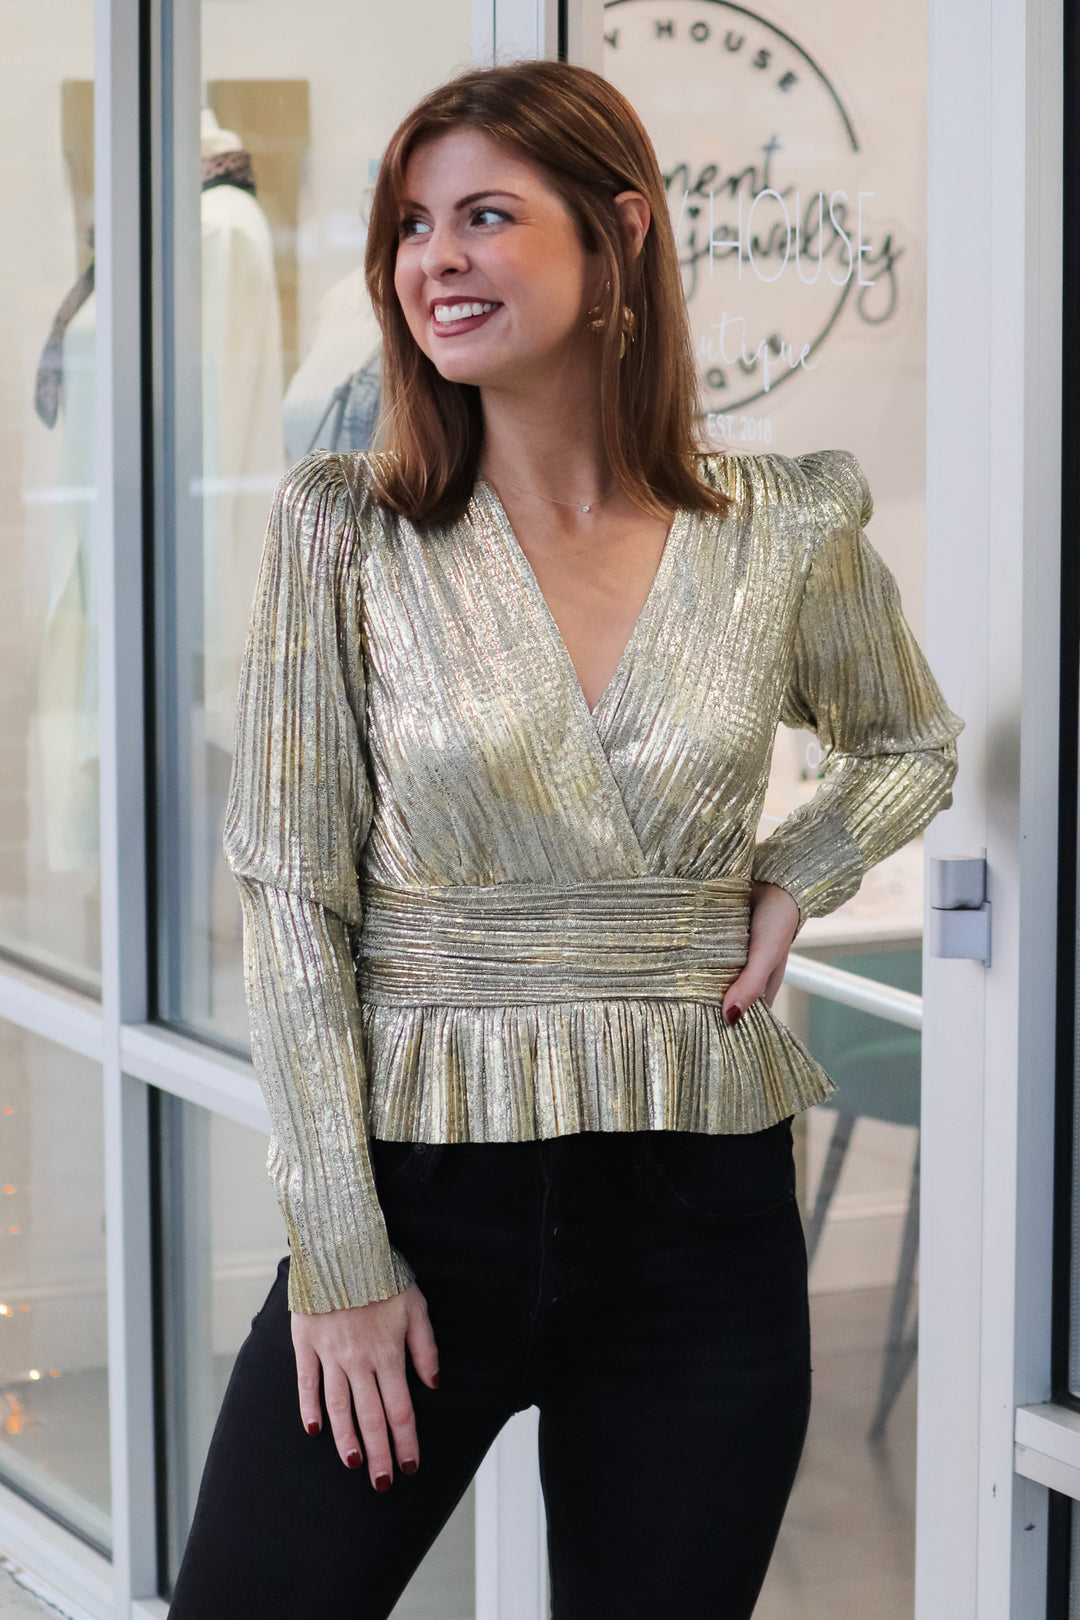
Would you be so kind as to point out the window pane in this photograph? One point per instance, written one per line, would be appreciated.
(222, 1244)
(859, 1191)
(54, 1405)
(48, 619)
(222, 1240)
(271, 182)
(793, 147)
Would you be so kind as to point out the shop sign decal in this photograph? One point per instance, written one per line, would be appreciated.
(768, 192)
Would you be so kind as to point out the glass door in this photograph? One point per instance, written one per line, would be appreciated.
(837, 176)
(793, 144)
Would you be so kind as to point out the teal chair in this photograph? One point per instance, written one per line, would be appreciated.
(876, 1065)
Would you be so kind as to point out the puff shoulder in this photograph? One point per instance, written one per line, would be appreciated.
(837, 477)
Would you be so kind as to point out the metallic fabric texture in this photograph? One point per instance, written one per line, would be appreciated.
(475, 911)
(523, 944)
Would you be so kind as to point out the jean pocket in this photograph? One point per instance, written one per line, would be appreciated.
(728, 1178)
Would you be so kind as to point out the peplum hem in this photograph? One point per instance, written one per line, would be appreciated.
(518, 1073)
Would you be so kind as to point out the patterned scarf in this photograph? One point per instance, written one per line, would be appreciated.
(49, 382)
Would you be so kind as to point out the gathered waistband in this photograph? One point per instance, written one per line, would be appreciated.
(514, 944)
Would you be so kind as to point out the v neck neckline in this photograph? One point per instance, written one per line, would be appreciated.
(540, 602)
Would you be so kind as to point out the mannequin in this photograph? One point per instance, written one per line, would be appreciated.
(344, 350)
(243, 457)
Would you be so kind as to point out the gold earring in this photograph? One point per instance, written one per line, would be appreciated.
(595, 319)
(628, 325)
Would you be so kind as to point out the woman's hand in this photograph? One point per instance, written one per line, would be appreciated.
(774, 922)
(359, 1354)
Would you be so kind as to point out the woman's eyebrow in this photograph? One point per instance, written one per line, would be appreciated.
(475, 196)
(465, 202)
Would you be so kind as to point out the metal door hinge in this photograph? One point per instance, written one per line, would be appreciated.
(959, 909)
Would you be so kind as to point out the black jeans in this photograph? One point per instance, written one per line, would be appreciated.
(645, 1290)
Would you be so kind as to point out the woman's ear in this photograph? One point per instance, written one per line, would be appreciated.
(635, 217)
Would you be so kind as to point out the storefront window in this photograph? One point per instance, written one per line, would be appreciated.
(794, 149)
(54, 1405)
(222, 1241)
(49, 903)
(275, 350)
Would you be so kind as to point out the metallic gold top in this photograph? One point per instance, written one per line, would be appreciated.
(475, 911)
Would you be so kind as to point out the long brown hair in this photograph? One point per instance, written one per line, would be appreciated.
(591, 145)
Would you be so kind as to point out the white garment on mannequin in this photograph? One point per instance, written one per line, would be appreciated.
(345, 336)
(243, 449)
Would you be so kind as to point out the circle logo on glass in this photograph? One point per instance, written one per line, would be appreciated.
(767, 188)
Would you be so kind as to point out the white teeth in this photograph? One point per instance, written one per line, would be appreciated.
(445, 313)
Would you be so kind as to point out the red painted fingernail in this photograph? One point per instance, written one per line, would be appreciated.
(734, 1013)
(313, 1427)
(353, 1460)
(382, 1482)
(410, 1467)
(435, 1380)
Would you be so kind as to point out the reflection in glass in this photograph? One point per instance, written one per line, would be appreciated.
(49, 904)
(274, 350)
(222, 1240)
(54, 1409)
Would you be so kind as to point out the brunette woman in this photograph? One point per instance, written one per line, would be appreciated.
(504, 733)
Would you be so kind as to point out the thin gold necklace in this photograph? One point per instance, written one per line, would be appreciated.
(536, 495)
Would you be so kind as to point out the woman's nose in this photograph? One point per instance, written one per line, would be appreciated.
(443, 254)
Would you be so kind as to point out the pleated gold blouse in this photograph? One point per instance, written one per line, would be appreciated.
(473, 910)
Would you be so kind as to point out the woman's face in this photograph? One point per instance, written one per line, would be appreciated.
(490, 271)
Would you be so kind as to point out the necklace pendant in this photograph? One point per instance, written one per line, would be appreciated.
(584, 508)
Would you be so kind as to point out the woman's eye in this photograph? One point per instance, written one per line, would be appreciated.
(490, 216)
(413, 227)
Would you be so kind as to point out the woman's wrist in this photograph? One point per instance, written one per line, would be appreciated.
(760, 890)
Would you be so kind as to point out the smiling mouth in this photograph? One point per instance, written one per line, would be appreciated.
(462, 316)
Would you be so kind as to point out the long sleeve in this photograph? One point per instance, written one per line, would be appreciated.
(859, 680)
(299, 811)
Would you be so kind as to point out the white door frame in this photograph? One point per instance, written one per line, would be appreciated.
(993, 548)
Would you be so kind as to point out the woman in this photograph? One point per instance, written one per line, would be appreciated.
(503, 738)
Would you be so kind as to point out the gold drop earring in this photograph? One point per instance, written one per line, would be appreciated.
(595, 322)
(594, 317)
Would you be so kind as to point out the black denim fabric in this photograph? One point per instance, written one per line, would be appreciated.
(645, 1290)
